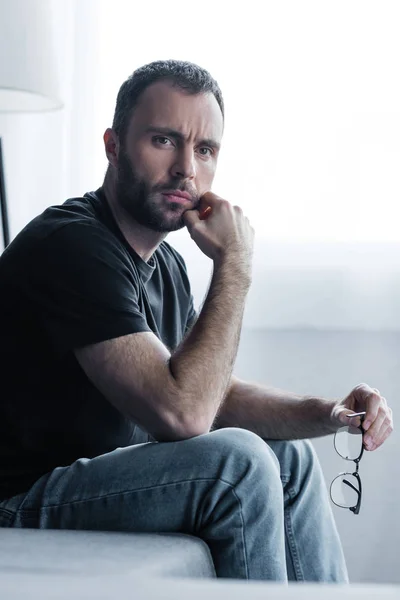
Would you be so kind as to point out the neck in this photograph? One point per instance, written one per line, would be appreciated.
(143, 240)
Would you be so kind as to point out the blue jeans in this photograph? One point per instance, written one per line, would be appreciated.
(260, 505)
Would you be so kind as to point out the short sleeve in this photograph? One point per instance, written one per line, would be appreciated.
(84, 287)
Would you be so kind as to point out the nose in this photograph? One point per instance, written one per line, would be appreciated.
(184, 166)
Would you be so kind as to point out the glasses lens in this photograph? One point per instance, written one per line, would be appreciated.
(344, 490)
(348, 442)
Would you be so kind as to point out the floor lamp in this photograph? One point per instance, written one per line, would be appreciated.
(3, 202)
(28, 73)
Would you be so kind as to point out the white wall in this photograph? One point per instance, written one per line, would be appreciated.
(332, 285)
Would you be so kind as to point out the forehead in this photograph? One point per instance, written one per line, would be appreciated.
(166, 105)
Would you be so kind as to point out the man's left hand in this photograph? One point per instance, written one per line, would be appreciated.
(378, 421)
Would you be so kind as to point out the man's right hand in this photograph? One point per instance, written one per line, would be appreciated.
(226, 232)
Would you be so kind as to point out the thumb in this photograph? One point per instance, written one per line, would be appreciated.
(343, 417)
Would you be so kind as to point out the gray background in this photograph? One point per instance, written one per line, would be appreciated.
(330, 364)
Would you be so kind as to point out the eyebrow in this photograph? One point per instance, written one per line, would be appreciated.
(179, 136)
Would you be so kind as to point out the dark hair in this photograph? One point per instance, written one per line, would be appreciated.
(188, 76)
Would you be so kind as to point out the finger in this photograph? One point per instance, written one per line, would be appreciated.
(350, 421)
(190, 218)
(211, 199)
(384, 435)
(385, 430)
(372, 402)
(205, 213)
(375, 431)
(345, 416)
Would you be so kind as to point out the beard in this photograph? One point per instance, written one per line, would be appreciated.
(142, 201)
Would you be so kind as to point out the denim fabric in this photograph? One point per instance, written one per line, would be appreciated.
(260, 505)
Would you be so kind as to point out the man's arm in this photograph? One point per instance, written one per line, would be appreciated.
(177, 396)
(273, 413)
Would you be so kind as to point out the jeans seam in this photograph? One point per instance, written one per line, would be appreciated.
(291, 539)
(139, 489)
(243, 538)
(8, 515)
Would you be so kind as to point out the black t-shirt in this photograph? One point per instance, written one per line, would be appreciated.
(70, 279)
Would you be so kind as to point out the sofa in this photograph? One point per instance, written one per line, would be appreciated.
(68, 552)
(74, 565)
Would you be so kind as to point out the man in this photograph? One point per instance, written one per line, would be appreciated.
(119, 409)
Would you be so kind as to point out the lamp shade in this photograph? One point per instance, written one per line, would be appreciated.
(28, 75)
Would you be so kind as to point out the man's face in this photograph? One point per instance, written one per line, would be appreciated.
(172, 143)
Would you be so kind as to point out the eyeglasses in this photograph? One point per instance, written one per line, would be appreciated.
(346, 487)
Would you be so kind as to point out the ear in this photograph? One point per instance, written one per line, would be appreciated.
(111, 145)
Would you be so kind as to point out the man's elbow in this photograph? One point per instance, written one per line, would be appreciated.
(176, 429)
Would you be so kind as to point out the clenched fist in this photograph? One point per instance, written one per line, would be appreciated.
(225, 233)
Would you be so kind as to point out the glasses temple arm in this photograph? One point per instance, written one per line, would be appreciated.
(352, 486)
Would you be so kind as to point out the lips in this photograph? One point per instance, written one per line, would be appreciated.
(178, 196)
(176, 199)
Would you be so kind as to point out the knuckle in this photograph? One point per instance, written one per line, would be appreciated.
(376, 400)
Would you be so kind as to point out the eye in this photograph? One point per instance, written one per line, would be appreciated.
(208, 151)
(162, 140)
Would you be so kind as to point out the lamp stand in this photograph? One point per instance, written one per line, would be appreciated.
(3, 201)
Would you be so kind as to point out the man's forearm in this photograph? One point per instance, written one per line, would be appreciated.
(202, 365)
(273, 413)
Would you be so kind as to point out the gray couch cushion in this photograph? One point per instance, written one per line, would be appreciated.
(96, 553)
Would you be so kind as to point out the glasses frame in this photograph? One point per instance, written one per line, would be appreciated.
(354, 509)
